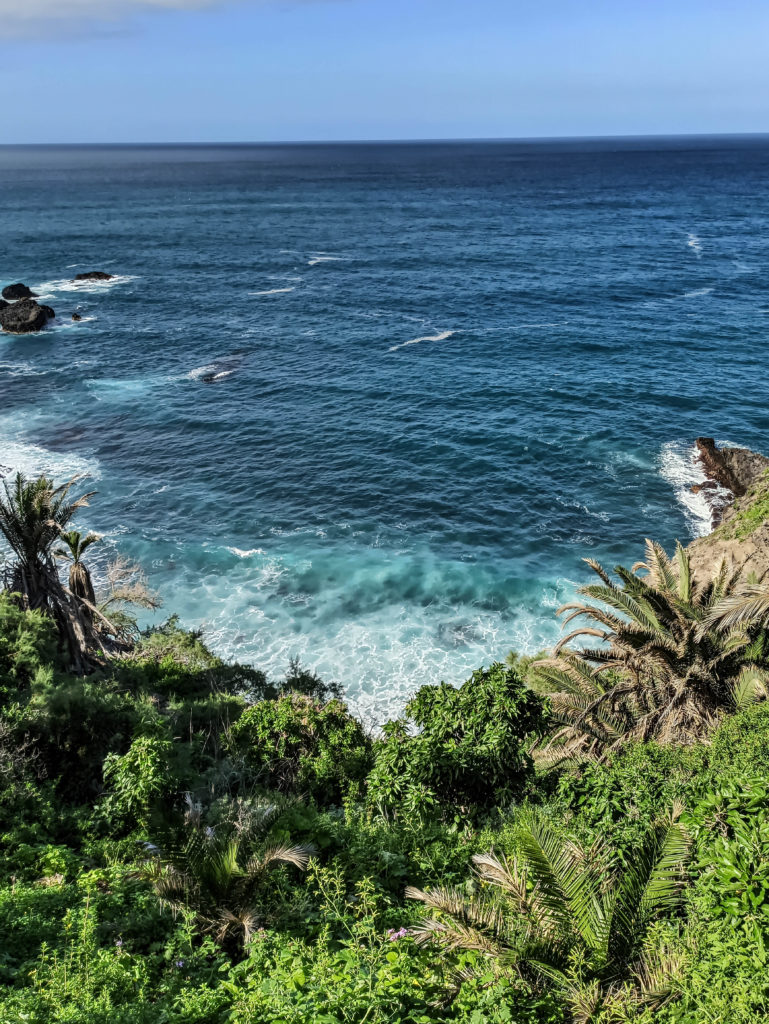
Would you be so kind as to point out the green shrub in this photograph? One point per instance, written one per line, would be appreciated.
(619, 799)
(307, 683)
(169, 660)
(470, 750)
(75, 724)
(137, 779)
(27, 643)
(741, 744)
(297, 745)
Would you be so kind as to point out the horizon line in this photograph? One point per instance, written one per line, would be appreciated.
(402, 141)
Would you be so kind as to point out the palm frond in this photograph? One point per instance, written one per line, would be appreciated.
(750, 606)
(567, 894)
(751, 686)
(299, 856)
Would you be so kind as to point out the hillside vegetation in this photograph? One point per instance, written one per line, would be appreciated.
(581, 837)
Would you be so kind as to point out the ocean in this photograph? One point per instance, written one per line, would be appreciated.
(373, 404)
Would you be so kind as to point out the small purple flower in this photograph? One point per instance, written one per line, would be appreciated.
(394, 935)
(180, 963)
(118, 943)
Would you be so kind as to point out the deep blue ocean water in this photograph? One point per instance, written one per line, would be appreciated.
(372, 404)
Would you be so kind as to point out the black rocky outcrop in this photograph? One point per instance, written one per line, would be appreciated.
(25, 317)
(93, 275)
(18, 291)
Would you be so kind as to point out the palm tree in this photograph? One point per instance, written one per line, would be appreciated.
(590, 718)
(562, 914)
(664, 667)
(219, 873)
(33, 516)
(79, 577)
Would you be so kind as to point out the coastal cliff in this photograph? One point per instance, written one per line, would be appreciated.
(737, 490)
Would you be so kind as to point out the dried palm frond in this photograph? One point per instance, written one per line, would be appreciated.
(749, 606)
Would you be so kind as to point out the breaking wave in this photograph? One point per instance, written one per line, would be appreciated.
(426, 337)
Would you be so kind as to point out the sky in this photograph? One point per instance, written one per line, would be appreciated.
(285, 70)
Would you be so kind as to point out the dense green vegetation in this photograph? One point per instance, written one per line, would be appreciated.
(584, 837)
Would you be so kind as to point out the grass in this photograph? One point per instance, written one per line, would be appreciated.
(752, 510)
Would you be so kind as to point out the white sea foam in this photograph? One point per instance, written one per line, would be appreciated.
(212, 369)
(426, 337)
(694, 243)
(127, 388)
(50, 289)
(273, 291)
(20, 370)
(680, 466)
(65, 324)
(380, 657)
(19, 456)
(246, 554)
(112, 388)
(315, 260)
(697, 293)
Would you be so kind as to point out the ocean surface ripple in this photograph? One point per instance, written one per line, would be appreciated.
(372, 404)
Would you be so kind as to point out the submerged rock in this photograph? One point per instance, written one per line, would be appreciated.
(18, 291)
(93, 275)
(25, 317)
(76, 317)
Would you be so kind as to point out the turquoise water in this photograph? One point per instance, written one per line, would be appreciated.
(372, 404)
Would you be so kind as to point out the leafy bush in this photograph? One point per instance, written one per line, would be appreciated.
(27, 643)
(308, 683)
(170, 660)
(296, 745)
(470, 750)
(75, 723)
(138, 778)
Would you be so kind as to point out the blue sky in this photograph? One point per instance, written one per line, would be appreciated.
(262, 70)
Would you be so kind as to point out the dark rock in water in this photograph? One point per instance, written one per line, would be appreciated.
(733, 468)
(25, 317)
(76, 317)
(18, 291)
(93, 275)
